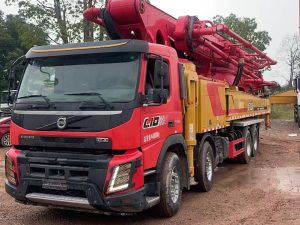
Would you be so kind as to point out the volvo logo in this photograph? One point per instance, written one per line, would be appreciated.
(61, 123)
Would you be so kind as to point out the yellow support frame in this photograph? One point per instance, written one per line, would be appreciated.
(288, 97)
(212, 105)
(191, 117)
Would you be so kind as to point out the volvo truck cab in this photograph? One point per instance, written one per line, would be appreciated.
(86, 117)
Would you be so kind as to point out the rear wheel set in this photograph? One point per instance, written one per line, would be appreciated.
(204, 167)
(251, 144)
(171, 175)
(245, 157)
(255, 139)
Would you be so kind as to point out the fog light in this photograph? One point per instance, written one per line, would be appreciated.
(9, 170)
(120, 178)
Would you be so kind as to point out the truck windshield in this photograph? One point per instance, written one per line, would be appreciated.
(114, 76)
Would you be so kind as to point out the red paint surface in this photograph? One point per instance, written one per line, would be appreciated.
(232, 149)
(215, 101)
(236, 111)
(4, 126)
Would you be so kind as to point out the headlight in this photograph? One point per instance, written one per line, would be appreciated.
(120, 178)
(9, 170)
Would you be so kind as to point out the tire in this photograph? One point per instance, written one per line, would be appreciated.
(5, 140)
(256, 140)
(245, 157)
(296, 113)
(298, 116)
(204, 169)
(170, 186)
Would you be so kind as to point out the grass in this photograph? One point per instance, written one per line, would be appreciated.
(282, 112)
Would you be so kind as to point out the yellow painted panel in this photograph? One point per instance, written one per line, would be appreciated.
(288, 97)
(216, 105)
(243, 105)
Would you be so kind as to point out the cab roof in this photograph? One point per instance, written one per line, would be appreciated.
(124, 45)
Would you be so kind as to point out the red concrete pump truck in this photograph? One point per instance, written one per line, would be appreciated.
(124, 125)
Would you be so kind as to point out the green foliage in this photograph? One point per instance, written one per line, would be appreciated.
(246, 28)
(282, 112)
(16, 38)
(61, 19)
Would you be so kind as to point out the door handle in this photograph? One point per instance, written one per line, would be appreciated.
(171, 124)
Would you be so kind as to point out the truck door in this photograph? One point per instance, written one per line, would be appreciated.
(157, 119)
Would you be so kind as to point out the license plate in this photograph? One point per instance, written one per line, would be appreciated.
(55, 185)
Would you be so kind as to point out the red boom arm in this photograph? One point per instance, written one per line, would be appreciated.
(217, 51)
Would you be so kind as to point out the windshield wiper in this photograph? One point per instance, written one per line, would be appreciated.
(47, 100)
(92, 94)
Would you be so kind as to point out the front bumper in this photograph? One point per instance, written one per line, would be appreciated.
(132, 202)
(75, 181)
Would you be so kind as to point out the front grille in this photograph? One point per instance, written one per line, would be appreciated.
(48, 171)
(68, 174)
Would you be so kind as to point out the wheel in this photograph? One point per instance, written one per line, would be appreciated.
(170, 186)
(204, 169)
(245, 157)
(298, 116)
(296, 113)
(5, 140)
(255, 139)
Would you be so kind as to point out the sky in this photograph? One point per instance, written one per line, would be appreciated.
(278, 17)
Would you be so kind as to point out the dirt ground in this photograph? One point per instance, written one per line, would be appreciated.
(265, 192)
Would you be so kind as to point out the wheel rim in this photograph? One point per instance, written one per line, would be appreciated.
(209, 166)
(248, 146)
(175, 186)
(6, 140)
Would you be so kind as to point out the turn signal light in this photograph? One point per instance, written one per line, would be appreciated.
(120, 179)
(9, 170)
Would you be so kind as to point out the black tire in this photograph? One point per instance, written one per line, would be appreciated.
(170, 186)
(255, 140)
(245, 157)
(204, 169)
(296, 113)
(298, 116)
(5, 140)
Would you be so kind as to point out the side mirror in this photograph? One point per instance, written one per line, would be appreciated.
(12, 79)
(296, 84)
(161, 82)
(11, 98)
(161, 74)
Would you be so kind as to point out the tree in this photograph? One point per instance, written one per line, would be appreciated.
(291, 55)
(246, 28)
(16, 38)
(62, 19)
